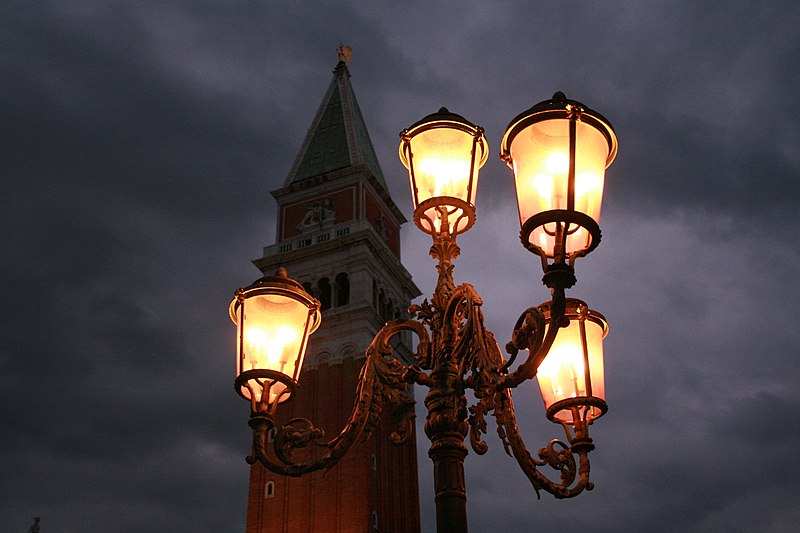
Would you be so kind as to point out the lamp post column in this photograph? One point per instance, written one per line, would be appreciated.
(446, 427)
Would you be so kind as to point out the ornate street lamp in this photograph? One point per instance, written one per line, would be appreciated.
(559, 150)
(274, 317)
(571, 375)
(443, 153)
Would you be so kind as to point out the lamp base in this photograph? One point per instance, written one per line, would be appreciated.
(563, 218)
(591, 406)
(275, 388)
(444, 214)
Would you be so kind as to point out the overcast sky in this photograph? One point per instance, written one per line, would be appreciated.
(139, 144)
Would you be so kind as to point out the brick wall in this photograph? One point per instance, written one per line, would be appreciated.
(343, 499)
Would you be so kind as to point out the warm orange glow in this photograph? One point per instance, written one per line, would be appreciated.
(269, 351)
(540, 156)
(439, 157)
(274, 338)
(563, 371)
(563, 374)
(445, 177)
(540, 160)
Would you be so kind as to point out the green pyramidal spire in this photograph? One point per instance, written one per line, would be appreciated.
(338, 135)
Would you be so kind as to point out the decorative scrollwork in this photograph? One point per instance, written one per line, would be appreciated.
(557, 454)
(402, 418)
(462, 354)
(444, 250)
(296, 433)
(466, 356)
(474, 347)
(477, 423)
(423, 312)
(383, 379)
(533, 333)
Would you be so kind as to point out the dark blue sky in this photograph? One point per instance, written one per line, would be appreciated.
(139, 142)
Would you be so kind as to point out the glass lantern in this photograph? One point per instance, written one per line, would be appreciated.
(443, 153)
(274, 317)
(559, 150)
(571, 377)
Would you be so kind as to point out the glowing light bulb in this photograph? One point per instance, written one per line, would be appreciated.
(254, 339)
(564, 370)
(269, 351)
(586, 183)
(276, 346)
(557, 163)
(448, 176)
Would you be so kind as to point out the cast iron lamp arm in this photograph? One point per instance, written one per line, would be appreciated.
(529, 334)
(383, 378)
(557, 454)
(492, 387)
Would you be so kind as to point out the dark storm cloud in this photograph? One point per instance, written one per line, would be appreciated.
(688, 89)
(109, 154)
(102, 111)
(138, 144)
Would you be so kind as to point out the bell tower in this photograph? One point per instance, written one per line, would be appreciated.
(338, 233)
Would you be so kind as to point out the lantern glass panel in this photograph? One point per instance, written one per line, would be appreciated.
(563, 372)
(275, 329)
(442, 159)
(540, 155)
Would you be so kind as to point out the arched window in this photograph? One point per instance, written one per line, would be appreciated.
(342, 289)
(388, 310)
(323, 358)
(347, 350)
(269, 489)
(324, 287)
(381, 303)
(374, 294)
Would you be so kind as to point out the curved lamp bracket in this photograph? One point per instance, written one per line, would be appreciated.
(570, 459)
(445, 208)
(533, 333)
(383, 379)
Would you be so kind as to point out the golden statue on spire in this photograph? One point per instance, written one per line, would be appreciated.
(345, 53)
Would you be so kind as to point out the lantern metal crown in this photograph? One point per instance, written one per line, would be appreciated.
(558, 150)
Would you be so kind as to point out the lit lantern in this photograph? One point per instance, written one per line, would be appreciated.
(274, 317)
(443, 153)
(571, 377)
(559, 150)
